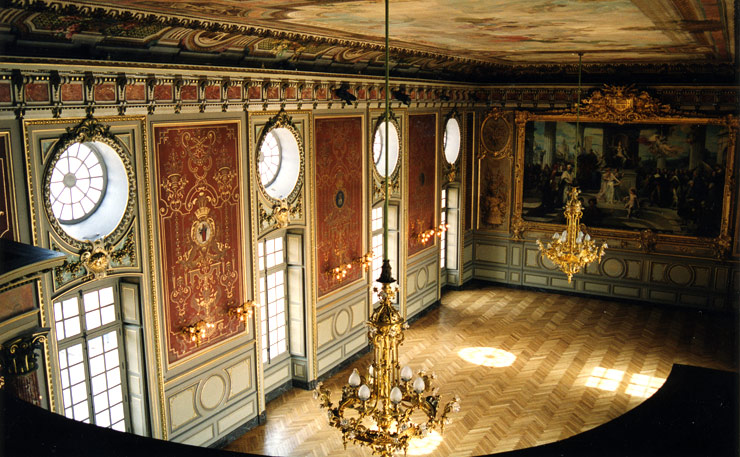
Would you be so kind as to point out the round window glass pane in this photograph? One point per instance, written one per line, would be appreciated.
(279, 163)
(88, 190)
(78, 183)
(452, 141)
(379, 148)
(269, 159)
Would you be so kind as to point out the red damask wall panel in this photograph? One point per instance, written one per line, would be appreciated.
(198, 196)
(422, 171)
(6, 202)
(338, 198)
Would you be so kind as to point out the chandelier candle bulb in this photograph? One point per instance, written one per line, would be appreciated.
(363, 392)
(419, 385)
(406, 373)
(396, 395)
(354, 378)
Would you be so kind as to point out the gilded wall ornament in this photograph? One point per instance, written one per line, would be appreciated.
(518, 227)
(622, 104)
(648, 240)
(394, 186)
(280, 215)
(495, 134)
(96, 260)
(451, 171)
(721, 246)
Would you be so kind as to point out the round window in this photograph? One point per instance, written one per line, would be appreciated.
(379, 148)
(279, 162)
(452, 140)
(88, 190)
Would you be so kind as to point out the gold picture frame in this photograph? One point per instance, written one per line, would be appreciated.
(642, 123)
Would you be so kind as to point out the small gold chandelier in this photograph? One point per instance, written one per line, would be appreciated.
(375, 410)
(572, 250)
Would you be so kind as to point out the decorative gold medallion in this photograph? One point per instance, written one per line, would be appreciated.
(204, 228)
(495, 134)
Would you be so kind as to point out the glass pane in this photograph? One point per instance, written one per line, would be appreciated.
(90, 300)
(80, 411)
(76, 374)
(67, 397)
(74, 354)
(97, 365)
(71, 327)
(120, 426)
(65, 378)
(102, 419)
(57, 311)
(79, 393)
(114, 377)
(110, 341)
(109, 314)
(111, 359)
(62, 359)
(95, 346)
(70, 307)
(60, 331)
(106, 296)
(100, 402)
(92, 319)
(68, 413)
(115, 396)
(98, 384)
(116, 413)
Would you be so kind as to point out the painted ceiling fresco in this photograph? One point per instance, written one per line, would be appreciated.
(491, 30)
(426, 34)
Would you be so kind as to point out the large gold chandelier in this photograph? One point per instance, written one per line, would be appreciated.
(572, 250)
(376, 410)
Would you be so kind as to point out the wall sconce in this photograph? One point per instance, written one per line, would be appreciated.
(341, 272)
(244, 311)
(196, 332)
(426, 235)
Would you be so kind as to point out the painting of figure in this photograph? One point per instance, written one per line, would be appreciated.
(668, 178)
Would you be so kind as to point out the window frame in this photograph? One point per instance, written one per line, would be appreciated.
(263, 272)
(83, 338)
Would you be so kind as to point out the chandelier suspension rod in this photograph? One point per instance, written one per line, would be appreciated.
(387, 133)
(578, 118)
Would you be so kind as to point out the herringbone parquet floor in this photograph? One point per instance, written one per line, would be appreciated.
(575, 363)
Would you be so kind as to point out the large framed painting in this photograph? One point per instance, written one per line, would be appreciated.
(645, 171)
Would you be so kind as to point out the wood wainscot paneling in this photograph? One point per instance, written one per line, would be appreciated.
(339, 199)
(199, 200)
(422, 202)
